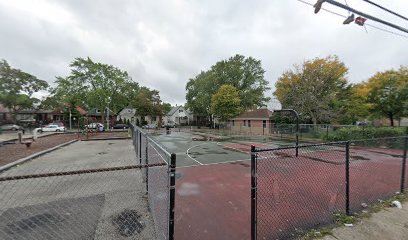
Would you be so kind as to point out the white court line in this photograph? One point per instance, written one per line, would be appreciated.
(231, 161)
(192, 157)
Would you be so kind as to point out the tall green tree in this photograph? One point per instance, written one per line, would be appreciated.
(17, 88)
(148, 103)
(244, 73)
(387, 93)
(96, 85)
(225, 103)
(313, 88)
(167, 107)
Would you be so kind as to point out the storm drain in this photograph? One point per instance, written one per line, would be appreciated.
(128, 223)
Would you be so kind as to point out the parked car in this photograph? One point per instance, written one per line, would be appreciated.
(11, 127)
(169, 125)
(94, 125)
(150, 126)
(52, 128)
(120, 126)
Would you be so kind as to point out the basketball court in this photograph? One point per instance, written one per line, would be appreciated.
(213, 183)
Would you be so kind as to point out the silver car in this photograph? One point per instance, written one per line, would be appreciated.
(12, 127)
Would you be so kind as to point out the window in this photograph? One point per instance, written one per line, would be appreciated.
(249, 123)
(233, 122)
(129, 111)
(181, 110)
(153, 119)
(244, 123)
(264, 123)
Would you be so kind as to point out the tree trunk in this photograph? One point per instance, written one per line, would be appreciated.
(390, 115)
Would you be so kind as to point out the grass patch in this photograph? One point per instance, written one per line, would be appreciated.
(317, 233)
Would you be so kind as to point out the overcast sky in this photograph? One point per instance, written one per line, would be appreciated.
(163, 43)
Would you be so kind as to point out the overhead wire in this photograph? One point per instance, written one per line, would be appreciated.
(385, 9)
(370, 25)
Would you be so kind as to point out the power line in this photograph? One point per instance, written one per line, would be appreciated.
(340, 5)
(385, 9)
(370, 25)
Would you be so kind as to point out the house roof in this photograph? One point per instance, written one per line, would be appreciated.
(59, 111)
(81, 111)
(173, 110)
(255, 114)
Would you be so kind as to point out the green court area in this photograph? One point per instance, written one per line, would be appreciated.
(192, 152)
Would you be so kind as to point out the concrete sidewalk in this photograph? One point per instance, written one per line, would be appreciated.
(388, 224)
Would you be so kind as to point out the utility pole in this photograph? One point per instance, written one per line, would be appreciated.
(107, 124)
(70, 116)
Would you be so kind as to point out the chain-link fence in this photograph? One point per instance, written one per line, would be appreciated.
(375, 170)
(94, 190)
(159, 181)
(79, 196)
(295, 189)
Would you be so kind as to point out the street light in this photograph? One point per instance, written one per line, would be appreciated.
(297, 126)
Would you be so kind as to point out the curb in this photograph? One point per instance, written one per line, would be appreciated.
(102, 139)
(39, 136)
(35, 155)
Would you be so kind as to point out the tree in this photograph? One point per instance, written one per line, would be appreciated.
(245, 74)
(17, 88)
(96, 85)
(225, 104)
(148, 103)
(387, 93)
(313, 87)
(167, 107)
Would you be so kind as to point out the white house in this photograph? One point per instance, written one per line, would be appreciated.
(131, 114)
(179, 115)
(128, 113)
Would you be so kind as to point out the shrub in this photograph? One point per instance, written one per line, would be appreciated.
(355, 133)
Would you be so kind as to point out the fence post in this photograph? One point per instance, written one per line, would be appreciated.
(140, 147)
(404, 164)
(172, 190)
(253, 194)
(147, 163)
(348, 178)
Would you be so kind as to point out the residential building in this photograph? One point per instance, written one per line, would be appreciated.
(179, 115)
(95, 115)
(130, 114)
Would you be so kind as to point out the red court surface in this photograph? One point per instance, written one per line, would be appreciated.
(213, 202)
(294, 193)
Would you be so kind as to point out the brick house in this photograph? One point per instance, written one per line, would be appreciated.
(257, 122)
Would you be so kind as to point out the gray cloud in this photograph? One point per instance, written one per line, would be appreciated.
(164, 43)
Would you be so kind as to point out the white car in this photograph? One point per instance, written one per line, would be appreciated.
(94, 125)
(53, 128)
